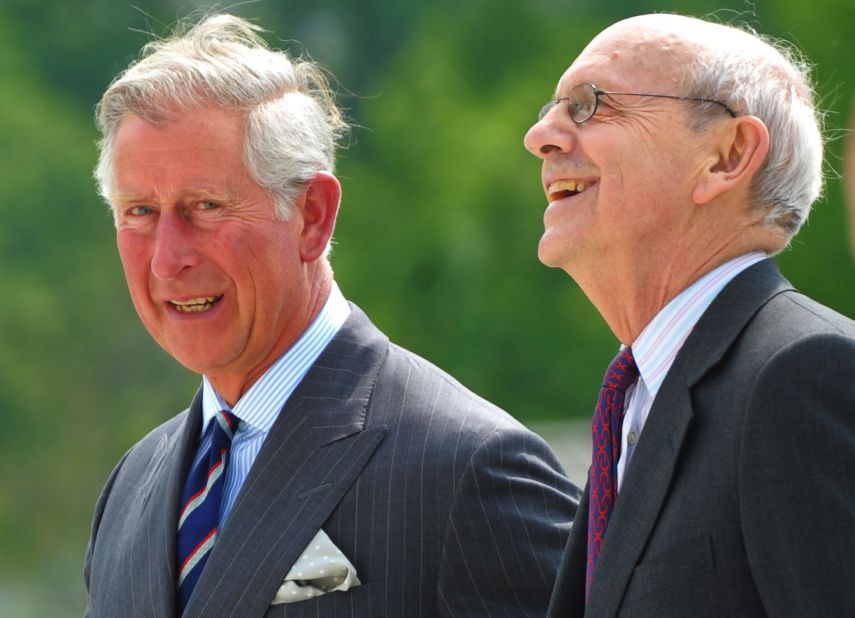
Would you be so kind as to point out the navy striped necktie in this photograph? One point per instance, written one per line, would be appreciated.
(200, 506)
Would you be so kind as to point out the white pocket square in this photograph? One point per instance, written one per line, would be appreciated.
(321, 568)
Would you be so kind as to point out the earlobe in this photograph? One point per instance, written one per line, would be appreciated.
(318, 206)
(740, 152)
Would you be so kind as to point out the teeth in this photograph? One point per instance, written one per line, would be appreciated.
(562, 185)
(565, 188)
(195, 305)
(194, 301)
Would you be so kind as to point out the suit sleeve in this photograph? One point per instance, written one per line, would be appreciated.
(506, 529)
(797, 479)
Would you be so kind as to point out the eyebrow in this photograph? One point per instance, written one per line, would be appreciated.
(190, 194)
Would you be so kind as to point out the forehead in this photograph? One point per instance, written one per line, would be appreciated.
(193, 151)
(629, 58)
(203, 128)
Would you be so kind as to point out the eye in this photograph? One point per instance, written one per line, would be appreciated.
(140, 211)
(208, 205)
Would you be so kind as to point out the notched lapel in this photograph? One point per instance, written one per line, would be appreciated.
(648, 478)
(279, 511)
(315, 451)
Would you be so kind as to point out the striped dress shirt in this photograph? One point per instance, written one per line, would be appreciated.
(259, 407)
(661, 340)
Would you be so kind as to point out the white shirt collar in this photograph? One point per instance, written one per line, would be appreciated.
(661, 340)
(260, 405)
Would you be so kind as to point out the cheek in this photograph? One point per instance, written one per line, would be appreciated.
(135, 257)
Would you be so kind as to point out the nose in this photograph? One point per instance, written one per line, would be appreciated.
(549, 134)
(174, 246)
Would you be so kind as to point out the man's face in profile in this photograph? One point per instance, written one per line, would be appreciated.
(213, 274)
(618, 182)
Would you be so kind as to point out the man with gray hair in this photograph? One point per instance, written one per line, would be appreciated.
(320, 470)
(678, 156)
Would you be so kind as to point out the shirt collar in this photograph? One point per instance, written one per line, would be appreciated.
(661, 340)
(260, 405)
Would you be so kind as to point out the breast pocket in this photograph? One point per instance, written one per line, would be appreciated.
(674, 571)
(362, 601)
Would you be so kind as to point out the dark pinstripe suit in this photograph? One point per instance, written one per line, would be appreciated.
(445, 504)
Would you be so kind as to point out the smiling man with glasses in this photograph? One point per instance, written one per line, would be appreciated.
(678, 156)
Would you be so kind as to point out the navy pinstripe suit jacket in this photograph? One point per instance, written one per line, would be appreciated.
(445, 504)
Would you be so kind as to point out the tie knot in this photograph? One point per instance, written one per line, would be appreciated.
(623, 371)
(225, 426)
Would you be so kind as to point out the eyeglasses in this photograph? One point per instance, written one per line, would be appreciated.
(585, 98)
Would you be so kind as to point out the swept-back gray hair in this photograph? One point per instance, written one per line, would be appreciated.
(770, 80)
(292, 124)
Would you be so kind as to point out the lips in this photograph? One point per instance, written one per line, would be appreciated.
(195, 305)
(561, 189)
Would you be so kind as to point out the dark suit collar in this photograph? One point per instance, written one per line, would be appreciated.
(314, 452)
(647, 480)
(728, 315)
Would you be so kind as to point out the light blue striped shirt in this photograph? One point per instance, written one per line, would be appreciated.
(260, 405)
(661, 340)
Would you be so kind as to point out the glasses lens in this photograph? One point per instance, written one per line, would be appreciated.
(583, 103)
(545, 109)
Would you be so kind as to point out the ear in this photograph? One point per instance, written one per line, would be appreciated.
(738, 153)
(318, 206)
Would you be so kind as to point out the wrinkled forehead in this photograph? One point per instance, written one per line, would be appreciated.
(633, 55)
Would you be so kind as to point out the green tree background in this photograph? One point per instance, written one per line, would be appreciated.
(436, 239)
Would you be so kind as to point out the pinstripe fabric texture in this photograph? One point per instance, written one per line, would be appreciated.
(445, 504)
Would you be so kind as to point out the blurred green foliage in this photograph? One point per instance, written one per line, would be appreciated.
(436, 238)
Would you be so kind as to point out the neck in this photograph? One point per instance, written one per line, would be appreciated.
(232, 386)
(629, 295)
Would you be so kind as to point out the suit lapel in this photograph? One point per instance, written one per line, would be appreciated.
(648, 479)
(314, 452)
(642, 494)
(153, 578)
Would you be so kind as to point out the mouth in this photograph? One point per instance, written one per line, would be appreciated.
(195, 305)
(561, 189)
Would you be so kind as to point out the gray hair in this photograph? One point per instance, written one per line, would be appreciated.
(767, 79)
(292, 124)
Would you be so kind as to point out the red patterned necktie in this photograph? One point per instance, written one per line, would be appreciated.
(199, 520)
(606, 431)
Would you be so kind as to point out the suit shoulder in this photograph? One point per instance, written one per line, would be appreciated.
(428, 387)
(442, 426)
(791, 318)
(793, 311)
(797, 361)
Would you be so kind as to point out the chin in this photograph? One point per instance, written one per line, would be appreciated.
(548, 252)
(193, 358)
